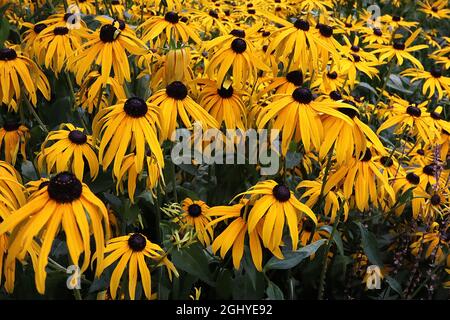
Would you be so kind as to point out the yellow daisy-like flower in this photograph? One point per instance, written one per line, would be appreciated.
(65, 202)
(434, 81)
(133, 250)
(237, 55)
(130, 125)
(401, 50)
(69, 151)
(348, 139)
(224, 104)
(234, 235)
(173, 102)
(276, 206)
(17, 74)
(168, 27)
(435, 9)
(14, 137)
(195, 216)
(107, 48)
(32, 42)
(297, 116)
(411, 118)
(361, 178)
(56, 44)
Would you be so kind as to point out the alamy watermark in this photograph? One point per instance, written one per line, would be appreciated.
(212, 146)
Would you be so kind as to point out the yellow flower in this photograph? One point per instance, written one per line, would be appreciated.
(194, 215)
(15, 137)
(69, 151)
(131, 124)
(278, 206)
(17, 74)
(65, 202)
(132, 250)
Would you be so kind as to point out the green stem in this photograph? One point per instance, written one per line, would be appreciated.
(386, 79)
(326, 174)
(325, 259)
(36, 116)
(174, 182)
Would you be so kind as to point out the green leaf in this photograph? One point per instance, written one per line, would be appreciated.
(293, 258)
(130, 212)
(370, 245)
(224, 287)
(274, 292)
(4, 31)
(394, 285)
(193, 261)
(368, 87)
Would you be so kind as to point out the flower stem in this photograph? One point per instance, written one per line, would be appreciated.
(36, 116)
(325, 259)
(386, 79)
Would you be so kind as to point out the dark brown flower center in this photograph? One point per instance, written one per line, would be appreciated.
(413, 178)
(238, 33)
(60, 31)
(435, 199)
(386, 161)
(137, 242)
(194, 210)
(348, 25)
(77, 137)
(325, 30)
(302, 95)
(11, 125)
(135, 107)
(7, 54)
(214, 14)
(238, 45)
(172, 17)
(295, 77)
(335, 95)
(436, 71)
(39, 27)
(332, 75)
(399, 45)
(281, 193)
(377, 32)
(108, 33)
(177, 90)
(434, 9)
(115, 2)
(301, 24)
(413, 111)
(396, 18)
(225, 93)
(64, 187)
(354, 48)
(421, 152)
(429, 170)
